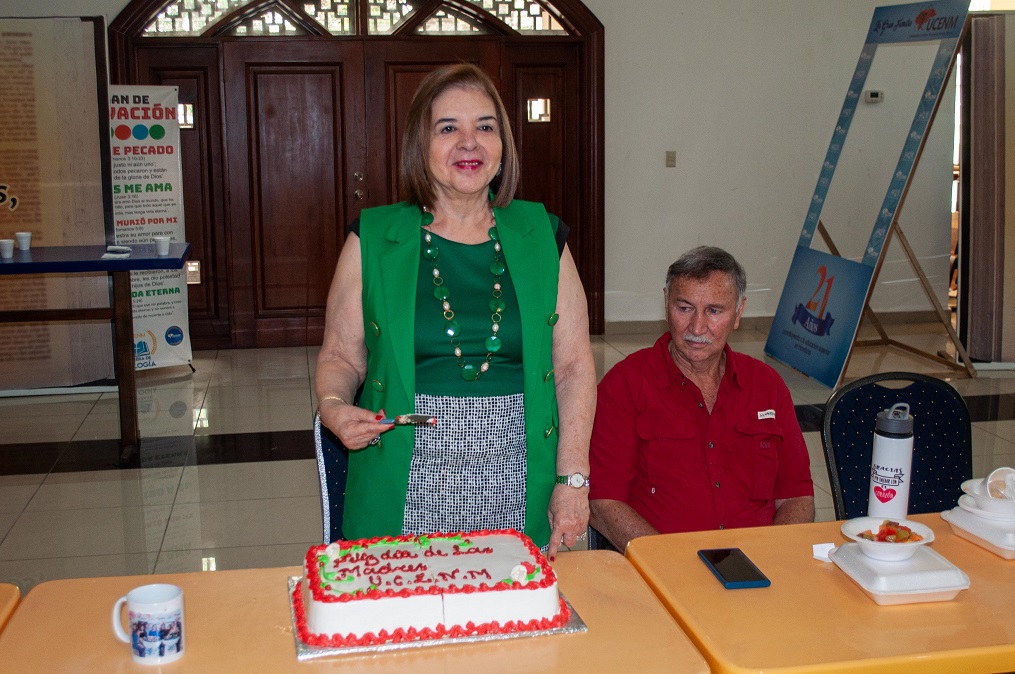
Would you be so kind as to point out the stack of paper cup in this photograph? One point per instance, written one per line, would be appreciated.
(24, 240)
(6, 248)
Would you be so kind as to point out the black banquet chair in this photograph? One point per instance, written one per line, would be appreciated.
(332, 471)
(599, 542)
(942, 454)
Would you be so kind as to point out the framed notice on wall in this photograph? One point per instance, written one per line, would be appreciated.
(55, 182)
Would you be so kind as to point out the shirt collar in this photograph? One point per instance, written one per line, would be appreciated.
(670, 373)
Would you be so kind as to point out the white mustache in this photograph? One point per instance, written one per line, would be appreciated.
(696, 339)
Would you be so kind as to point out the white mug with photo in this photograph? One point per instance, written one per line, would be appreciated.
(155, 619)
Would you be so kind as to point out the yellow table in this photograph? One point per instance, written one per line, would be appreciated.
(10, 595)
(815, 618)
(239, 621)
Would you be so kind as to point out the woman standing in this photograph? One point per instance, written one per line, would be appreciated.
(463, 304)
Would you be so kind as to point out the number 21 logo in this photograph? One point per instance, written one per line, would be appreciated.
(826, 281)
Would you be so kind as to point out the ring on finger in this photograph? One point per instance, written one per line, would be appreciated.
(375, 440)
(582, 536)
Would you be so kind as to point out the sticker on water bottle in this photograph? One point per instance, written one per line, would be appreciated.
(891, 463)
(885, 479)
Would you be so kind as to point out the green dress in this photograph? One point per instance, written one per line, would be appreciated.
(468, 473)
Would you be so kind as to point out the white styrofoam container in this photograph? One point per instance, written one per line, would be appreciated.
(925, 577)
(993, 535)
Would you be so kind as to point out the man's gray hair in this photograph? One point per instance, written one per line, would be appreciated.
(699, 262)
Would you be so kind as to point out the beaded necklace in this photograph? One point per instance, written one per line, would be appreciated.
(442, 294)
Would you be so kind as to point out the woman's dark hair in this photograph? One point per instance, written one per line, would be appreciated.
(415, 180)
(698, 263)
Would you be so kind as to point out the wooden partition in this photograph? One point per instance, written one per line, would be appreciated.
(987, 231)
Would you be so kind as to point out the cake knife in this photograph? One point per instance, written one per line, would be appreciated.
(411, 420)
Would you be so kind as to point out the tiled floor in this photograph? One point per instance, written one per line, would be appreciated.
(225, 477)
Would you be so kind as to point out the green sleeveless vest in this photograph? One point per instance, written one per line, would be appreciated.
(390, 248)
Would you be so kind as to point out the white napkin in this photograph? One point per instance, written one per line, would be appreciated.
(821, 551)
(116, 252)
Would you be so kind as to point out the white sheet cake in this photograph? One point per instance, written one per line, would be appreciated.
(408, 588)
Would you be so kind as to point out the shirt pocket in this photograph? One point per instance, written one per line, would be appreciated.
(668, 451)
(759, 443)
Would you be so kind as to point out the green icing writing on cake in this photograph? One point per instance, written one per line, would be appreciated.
(332, 577)
(424, 541)
(390, 543)
(328, 578)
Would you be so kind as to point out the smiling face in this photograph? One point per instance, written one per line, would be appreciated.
(702, 314)
(465, 143)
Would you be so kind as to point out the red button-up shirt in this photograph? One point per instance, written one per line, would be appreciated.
(656, 447)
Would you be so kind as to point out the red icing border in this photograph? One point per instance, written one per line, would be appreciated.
(426, 634)
(412, 634)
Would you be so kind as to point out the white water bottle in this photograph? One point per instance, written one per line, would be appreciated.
(891, 464)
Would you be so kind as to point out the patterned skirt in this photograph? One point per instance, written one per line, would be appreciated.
(467, 473)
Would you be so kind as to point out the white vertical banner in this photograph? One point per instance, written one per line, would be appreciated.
(148, 202)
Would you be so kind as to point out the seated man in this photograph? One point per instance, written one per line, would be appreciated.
(690, 435)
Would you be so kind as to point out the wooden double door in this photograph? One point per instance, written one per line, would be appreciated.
(292, 138)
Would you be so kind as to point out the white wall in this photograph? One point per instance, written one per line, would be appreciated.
(106, 8)
(747, 94)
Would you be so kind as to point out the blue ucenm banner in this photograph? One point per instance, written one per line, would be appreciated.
(824, 296)
(822, 309)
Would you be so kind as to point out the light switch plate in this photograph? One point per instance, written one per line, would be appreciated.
(193, 269)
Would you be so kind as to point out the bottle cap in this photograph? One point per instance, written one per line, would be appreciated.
(896, 420)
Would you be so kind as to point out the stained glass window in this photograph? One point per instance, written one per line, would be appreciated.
(334, 15)
(194, 17)
(190, 17)
(444, 22)
(269, 22)
(383, 17)
(525, 16)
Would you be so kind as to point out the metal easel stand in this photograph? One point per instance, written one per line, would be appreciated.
(942, 315)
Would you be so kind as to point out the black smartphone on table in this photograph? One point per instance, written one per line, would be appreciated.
(733, 568)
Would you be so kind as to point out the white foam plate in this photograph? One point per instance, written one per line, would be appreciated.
(976, 490)
(967, 503)
(998, 537)
(925, 577)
